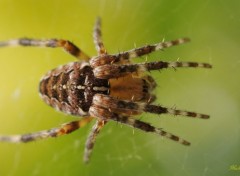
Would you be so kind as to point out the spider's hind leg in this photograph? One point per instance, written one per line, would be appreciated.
(54, 132)
(102, 113)
(92, 139)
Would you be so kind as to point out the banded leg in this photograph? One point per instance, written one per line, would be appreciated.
(52, 43)
(115, 71)
(102, 113)
(92, 139)
(115, 104)
(97, 38)
(54, 132)
(150, 82)
(148, 99)
(125, 56)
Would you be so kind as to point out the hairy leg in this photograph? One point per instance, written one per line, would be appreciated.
(127, 55)
(115, 71)
(97, 38)
(54, 132)
(105, 114)
(52, 43)
(107, 101)
(92, 139)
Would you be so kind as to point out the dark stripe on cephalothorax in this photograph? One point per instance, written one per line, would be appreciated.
(84, 86)
(76, 95)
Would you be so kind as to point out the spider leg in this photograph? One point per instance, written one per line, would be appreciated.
(52, 43)
(125, 56)
(105, 114)
(97, 38)
(147, 98)
(107, 101)
(114, 71)
(150, 82)
(92, 139)
(54, 132)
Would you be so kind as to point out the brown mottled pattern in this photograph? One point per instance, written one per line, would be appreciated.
(58, 86)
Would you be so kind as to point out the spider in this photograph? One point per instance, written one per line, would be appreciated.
(107, 87)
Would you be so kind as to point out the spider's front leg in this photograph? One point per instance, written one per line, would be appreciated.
(125, 57)
(106, 114)
(97, 38)
(114, 71)
(52, 43)
(54, 132)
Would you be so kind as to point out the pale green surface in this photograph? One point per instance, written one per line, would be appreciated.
(213, 27)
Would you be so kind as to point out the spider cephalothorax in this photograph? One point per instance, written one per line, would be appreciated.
(106, 87)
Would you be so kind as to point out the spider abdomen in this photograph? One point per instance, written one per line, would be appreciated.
(70, 88)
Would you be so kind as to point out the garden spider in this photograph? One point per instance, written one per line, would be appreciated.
(105, 87)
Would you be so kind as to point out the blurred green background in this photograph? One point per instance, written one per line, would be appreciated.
(213, 27)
